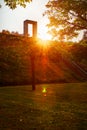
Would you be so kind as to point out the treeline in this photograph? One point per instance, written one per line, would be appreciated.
(8, 32)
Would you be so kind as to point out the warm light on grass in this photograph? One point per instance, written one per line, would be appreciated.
(44, 43)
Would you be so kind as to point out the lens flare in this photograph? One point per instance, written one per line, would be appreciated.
(44, 91)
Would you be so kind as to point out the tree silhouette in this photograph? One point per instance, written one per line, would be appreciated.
(66, 18)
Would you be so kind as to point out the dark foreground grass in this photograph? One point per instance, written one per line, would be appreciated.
(50, 107)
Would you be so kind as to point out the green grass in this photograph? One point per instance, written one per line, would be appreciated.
(50, 107)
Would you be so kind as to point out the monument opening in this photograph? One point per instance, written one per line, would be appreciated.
(30, 30)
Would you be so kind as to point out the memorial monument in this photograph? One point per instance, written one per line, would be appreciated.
(34, 27)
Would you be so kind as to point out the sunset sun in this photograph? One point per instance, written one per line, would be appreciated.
(43, 33)
(45, 36)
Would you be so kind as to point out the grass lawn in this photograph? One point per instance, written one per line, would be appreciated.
(50, 107)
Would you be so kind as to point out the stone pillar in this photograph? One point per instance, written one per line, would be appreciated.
(35, 29)
(25, 28)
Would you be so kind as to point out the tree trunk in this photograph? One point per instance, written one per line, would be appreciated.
(33, 71)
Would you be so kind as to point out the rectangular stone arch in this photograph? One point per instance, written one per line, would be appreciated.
(34, 27)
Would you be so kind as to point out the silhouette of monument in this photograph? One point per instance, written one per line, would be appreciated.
(34, 27)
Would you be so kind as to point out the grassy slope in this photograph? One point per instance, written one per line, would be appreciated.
(59, 107)
(15, 64)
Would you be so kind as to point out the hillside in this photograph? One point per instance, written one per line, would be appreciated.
(56, 62)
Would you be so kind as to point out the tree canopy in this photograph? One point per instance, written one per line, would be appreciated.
(13, 3)
(66, 18)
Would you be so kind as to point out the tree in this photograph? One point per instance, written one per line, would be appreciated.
(85, 35)
(13, 3)
(66, 18)
(5, 32)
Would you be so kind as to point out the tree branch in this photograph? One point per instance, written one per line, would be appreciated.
(77, 15)
(76, 25)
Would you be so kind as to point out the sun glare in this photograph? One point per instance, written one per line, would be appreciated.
(44, 43)
(43, 31)
(44, 36)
